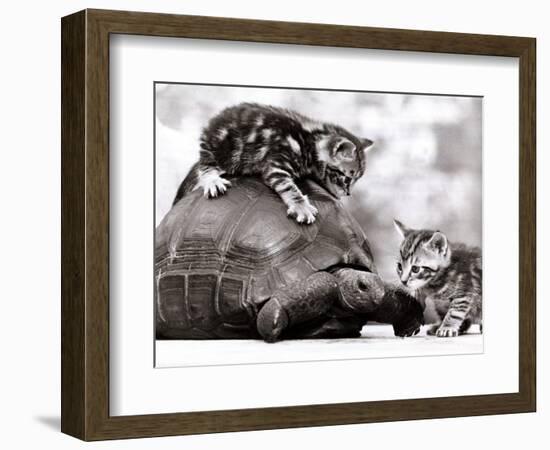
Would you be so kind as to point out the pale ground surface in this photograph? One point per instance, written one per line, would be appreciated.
(377, 341)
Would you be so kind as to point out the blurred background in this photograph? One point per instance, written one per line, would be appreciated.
(425, 167)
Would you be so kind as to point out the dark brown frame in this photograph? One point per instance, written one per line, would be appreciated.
(85, 224)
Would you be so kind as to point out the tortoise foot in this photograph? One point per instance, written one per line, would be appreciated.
(272, 321)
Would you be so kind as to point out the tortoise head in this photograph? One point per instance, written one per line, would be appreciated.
(362, 291)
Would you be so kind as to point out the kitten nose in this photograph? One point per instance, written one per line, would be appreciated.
(404, 281)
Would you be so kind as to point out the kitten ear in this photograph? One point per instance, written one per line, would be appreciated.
(366, 144)
(438, 242)
(344, 150)
(401, 229)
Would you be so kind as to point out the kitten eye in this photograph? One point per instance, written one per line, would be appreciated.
(415, 269)
(399, 267)
(429, 269)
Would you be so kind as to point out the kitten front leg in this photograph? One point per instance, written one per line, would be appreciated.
(209, 175)
(297, 203)
(458, 310)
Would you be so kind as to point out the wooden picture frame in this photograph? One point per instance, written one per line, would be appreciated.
(85, 224)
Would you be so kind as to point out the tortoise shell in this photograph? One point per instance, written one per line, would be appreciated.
(218, 260)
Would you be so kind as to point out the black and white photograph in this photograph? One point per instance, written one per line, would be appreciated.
(305, 224)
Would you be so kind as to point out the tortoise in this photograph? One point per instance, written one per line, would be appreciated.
(237, 267)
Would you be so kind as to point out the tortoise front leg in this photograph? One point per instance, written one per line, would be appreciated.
(298, 303)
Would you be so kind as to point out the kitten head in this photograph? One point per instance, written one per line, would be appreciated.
(422, 255)
(343, 161)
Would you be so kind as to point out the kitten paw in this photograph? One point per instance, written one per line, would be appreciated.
(446, 332)
(303, 212)
(212, 184)
(432, 331)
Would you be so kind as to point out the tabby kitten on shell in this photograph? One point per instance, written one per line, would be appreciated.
(282, 147)
(442, 276)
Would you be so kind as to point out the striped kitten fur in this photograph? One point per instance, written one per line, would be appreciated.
(443, 276)
(282, 147)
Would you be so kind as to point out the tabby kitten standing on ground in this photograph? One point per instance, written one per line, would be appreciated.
(282, 147)
(443, 276)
